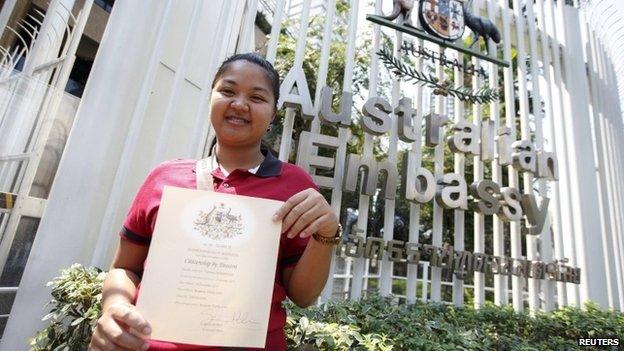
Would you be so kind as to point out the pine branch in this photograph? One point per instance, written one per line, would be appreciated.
(482, 95)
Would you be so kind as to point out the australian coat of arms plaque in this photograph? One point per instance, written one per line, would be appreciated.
(444, 18)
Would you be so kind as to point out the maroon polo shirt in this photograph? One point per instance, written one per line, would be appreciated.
(274, 180)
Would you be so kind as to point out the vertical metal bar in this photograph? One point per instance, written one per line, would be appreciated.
(276, 28)
(510, 110)
(415, 158)
(289, 119)
(321, 79)
(479, 219)
(459, 164)
(555, 217)
(425, 281)
(618, 237)
(500, 280)
(436, 272)
(366, 275)
(344, 134)
(516, 246)
(532, 241)
(560, 144)
(363, 207)
(385, 282)
(619, 249)
(584, 187)
(247, 33)
(611, 163)
(237, 19)
(617, 228)
(617, 170)
(595, 77)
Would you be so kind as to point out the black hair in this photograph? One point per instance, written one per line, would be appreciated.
(270, 72)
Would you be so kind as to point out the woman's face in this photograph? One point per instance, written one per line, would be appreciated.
(242, 104)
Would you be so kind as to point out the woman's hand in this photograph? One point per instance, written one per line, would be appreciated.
(306, 213)
(121, 327)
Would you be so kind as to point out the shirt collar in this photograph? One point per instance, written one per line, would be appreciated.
(271, 166)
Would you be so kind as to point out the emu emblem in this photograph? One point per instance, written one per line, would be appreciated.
(443, 18)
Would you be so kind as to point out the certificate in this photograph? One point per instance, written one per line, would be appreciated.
(210, 269)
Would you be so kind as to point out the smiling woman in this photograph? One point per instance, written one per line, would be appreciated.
(242, 107)
(243, 104)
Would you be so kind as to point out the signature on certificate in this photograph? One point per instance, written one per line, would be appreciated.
(236, 318)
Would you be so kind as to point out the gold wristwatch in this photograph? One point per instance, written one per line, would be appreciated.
(329, 241)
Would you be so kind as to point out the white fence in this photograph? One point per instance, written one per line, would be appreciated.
(559, 109)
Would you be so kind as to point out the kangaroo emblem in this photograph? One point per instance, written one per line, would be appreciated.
(401, 7)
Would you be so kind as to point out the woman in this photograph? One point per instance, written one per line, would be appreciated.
(243, 105)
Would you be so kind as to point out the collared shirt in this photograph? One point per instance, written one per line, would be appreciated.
(273, 179)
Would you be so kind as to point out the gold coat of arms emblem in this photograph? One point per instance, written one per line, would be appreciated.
(444, 18)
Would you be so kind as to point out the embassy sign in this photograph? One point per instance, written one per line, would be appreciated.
(462, 264)
(418, 184)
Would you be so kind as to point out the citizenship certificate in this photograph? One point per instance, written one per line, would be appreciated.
(210, 269)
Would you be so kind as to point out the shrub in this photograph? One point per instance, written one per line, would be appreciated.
(373, 323)
(435, 326)
(76, 306)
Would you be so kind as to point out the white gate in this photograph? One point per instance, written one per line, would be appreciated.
(546, 105)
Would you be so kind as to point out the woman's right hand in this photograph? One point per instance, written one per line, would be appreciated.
(121, 327)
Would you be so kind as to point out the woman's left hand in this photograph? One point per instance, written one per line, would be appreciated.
(306, 213)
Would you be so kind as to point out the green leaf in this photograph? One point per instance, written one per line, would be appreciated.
(77, 321)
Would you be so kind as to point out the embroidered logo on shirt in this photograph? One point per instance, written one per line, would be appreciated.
(219, 223)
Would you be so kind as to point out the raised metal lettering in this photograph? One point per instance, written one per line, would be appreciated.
(452, 192)
(294, 93)
(327, 115)
(376, 119)
(405, 114)
(371, 170)
(465, 138)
